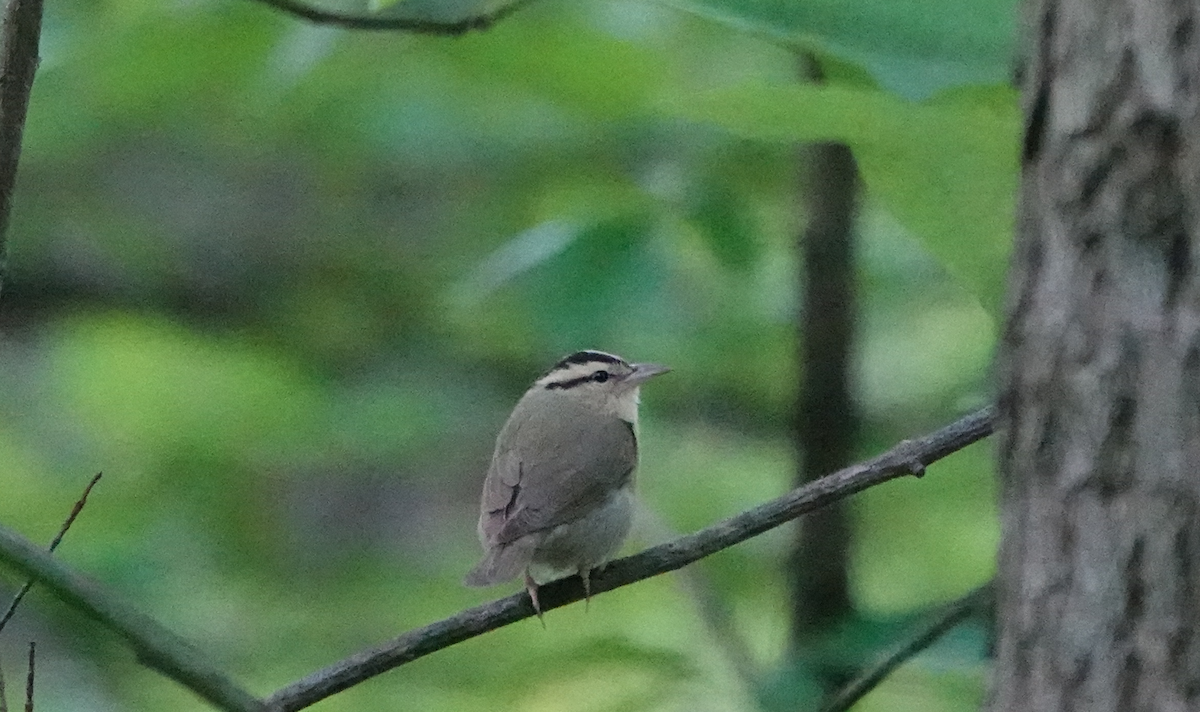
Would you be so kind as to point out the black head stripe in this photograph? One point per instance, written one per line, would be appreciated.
(563, 385)
(586, 357)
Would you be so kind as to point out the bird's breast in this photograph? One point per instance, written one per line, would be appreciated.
(587, 542)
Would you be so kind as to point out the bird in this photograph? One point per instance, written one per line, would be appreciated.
(558, 496)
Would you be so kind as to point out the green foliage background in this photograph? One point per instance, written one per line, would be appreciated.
(281, 284)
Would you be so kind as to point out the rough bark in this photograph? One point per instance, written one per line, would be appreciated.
(1100, 368)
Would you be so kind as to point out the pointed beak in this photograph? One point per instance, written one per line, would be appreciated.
(645, 371)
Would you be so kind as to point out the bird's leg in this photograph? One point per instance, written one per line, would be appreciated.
(532, 587)
(586, 576)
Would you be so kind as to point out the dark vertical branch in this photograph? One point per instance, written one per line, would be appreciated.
(19, 33)
(826, 418)
(29, 677)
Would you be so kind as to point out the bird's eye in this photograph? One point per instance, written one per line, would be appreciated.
(600, 376)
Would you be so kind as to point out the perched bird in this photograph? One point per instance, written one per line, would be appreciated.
(558, 497)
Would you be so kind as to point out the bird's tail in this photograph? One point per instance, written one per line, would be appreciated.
(502, 562)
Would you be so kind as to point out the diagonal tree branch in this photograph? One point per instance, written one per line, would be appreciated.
(163, 651)
(933, 629)
(909, 457)
(453, 28)
(20, 30)
(156, 647)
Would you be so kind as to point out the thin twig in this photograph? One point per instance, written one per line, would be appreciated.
(451, 28)
(29, 677)
(155, 646)
(163, 651)
(3, 697)
(62, 531)
(19, 34)
(909, 457)
(937, 626)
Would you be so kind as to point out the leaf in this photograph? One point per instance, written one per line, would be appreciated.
(587, 290)
(589, 74)
(914, 48)
(435, 10)
(525, 251)
(382, 5)
(722, 221)
(946, 168)
(665, 662)
(795, 685)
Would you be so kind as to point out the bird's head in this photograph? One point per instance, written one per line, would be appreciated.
(610, 382)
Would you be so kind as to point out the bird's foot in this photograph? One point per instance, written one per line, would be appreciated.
(532, 587)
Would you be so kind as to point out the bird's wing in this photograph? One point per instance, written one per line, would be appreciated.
(526, 493)
(501, 490)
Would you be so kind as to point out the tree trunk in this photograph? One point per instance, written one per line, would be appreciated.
(826, 416)
(1099, 581)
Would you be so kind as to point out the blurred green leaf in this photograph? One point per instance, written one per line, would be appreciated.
(858, 643)
(900, 561)
(591, 74)
(382, 5)
(795, 685)
(148, 388)
(525, 251)
(594, 284)
(437, 10)
(914, 48)
(946, 168)
(667, 663)
(723, 222)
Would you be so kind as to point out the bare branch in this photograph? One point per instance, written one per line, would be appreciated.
(909, 457)
(3, 697)
(156, 647)
(19, 34)
(940, 624)
(162, 650)
(29, 677)
(62, 531)
(395, 24)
